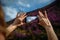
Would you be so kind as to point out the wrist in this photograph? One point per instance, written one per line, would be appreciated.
(49, 27)
(13, 24)
(16, 24)
(10, 29)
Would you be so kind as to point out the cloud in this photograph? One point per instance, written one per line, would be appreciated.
(10, 13)
(23, 4)
(29, 19)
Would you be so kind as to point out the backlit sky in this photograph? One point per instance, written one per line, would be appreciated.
(12, 7)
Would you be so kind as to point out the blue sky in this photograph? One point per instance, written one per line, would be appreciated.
(12, 7)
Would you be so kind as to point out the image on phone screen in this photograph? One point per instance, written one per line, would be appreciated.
(30, 18)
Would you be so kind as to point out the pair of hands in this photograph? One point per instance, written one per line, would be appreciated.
(43, 19)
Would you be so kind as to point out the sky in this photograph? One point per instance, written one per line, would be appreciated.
(12, 7)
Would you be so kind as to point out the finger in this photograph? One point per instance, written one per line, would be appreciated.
(20, 14)
(40, 19)
(17, 15)
(24, 14)
(38, 16)
(39, 23)
(24, 17)
(46, 14)
(19, 25)
(41, 14)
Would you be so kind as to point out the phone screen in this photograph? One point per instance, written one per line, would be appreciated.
(30, 18)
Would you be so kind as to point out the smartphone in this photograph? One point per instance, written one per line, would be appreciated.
(30, 18)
